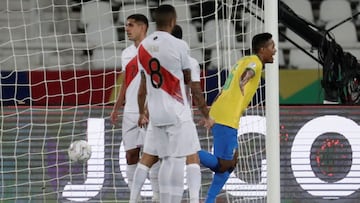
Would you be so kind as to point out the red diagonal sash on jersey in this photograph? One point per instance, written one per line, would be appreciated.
(131, 70)
(171, 84)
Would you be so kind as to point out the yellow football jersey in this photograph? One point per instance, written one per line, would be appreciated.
(230, 104)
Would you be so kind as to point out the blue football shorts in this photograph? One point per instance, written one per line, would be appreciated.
(225, 141)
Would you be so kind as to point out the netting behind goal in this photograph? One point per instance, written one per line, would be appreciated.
(60, 64)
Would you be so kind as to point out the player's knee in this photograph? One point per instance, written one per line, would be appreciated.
(226, 165)
(222, 169)
(132, 156)
(148, 160)
(234, 162)
(192, 159)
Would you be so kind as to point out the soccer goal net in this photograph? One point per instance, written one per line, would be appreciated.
(60, 65)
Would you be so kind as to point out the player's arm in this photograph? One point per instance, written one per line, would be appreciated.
(185, 63)
(119, 101)
(141, 101)
(245, 77)
(198, 98)
(187, 76)
(197, 94)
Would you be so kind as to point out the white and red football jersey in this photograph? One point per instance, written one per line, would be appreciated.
(195, 72)
(131, 77)
(195, 77)
(163, 58)
(194, 65)
(195, 69)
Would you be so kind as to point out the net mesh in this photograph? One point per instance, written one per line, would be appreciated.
(60, 63)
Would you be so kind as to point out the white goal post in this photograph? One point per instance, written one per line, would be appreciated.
(272, 108)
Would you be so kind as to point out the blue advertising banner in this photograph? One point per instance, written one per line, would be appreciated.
(14, 87)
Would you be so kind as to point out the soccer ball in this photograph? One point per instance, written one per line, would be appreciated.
(79, 151)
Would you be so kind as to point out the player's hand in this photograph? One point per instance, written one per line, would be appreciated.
(143, 121)
(114, 117)
(207, 123)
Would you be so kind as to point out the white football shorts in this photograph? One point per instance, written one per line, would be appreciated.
(132, 134)
(177, 140)
(150, 142)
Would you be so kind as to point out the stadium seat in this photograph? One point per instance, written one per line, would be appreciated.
(190, 34)
(345, 34)
(334, 10)
(121, 2)
(298, 59)
(253, 26)
(96, 12)
(15, 5)
(101, 34)
(130, 9)
(281, 61)
(198, 54)
(294, 61)
(226, 58)
(16, 33)
(226, 32)
(106, 58)
(296, 38)
(18, 59)
(302, 8)
(65, 59)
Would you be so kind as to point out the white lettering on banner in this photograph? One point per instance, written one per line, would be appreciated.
(300, 161)
(236, 186)
(95, 165)
(300, 156)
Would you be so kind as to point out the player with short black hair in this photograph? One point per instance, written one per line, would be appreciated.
(132, 135)
(229, 106)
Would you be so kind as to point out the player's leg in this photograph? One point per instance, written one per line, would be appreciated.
(208, 160)
(212, 161)
(154, 180)
(163, 149)
(133, 139)
(141, 173)
(215, 164)
(225, 149)
(193, 173)
(147, 162)
(171, 179)
(132, 159)
(188, 134)
(150, 148)
(171, 148)
(220, 178)
(193, 177)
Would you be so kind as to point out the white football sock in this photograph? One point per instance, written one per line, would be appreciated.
(140, 175)
(130, 170)
(171, 179)
(164, 173)
(154, 180)
(193, 178)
